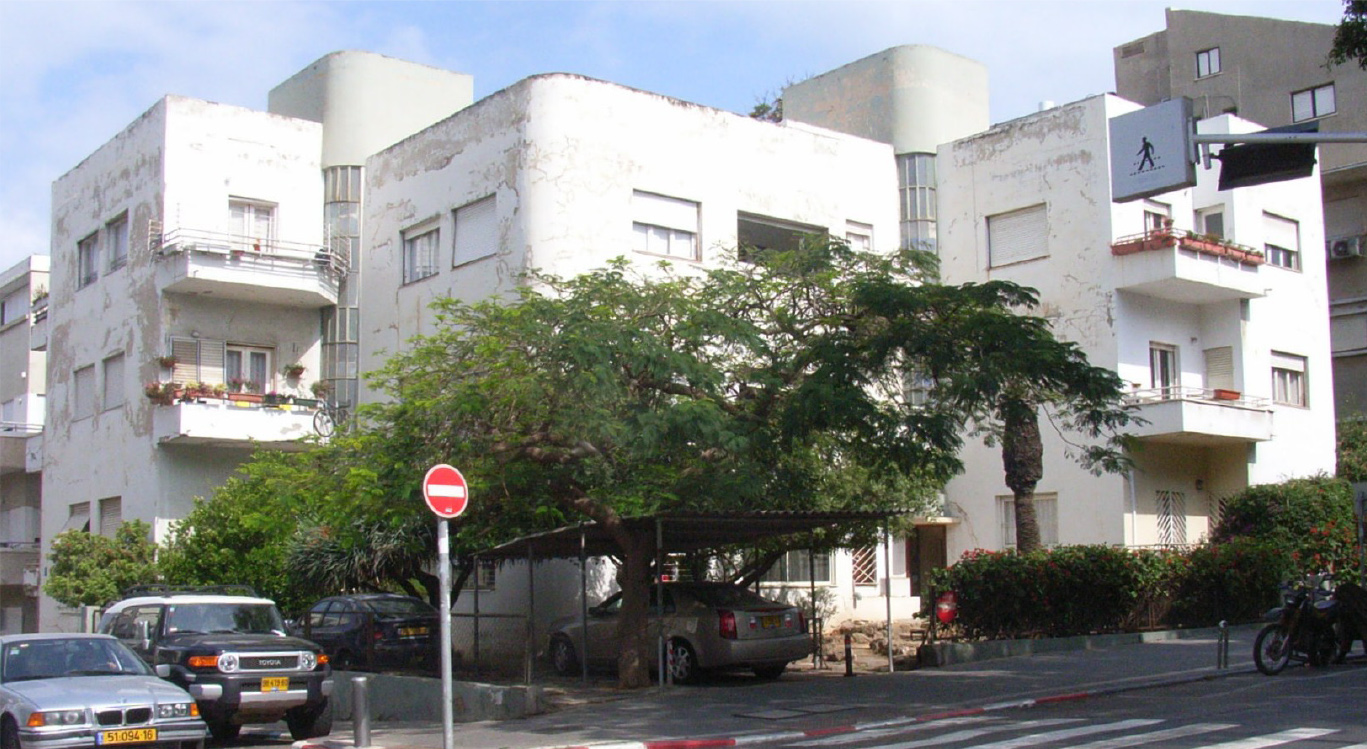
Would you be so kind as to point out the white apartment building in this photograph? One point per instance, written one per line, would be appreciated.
(1226, 354)
(23, 387)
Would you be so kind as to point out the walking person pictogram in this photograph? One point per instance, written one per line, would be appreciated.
(1146, 151)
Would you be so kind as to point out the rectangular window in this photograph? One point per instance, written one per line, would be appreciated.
(859, 236)
(1017, 236)
(1312, 103)
(83, 392)
(1282, 241)
(15, 306)
(1156, 215)
(248, 368)
(1220, 368)
(916, 183)
(800, 565)
(1211, 222)
(1046, 515)
(1288, 379)
(87, 261)
(1172, 518)
(116, 242)
(476, 231)
(111, 516)
(251, 222)
(112, 394)
(197, 360)
(1207, 62)
(420, 253)
(1163, 372)
(662, 225)
(77, 517)
(864, 565)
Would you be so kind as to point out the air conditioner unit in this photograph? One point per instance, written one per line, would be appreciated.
(1346, 247)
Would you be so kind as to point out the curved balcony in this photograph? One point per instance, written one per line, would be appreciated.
(230, 266)
(1200, 416)
(1179, 266)
(221, 422)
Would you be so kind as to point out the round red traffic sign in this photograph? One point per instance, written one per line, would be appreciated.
(444, 489)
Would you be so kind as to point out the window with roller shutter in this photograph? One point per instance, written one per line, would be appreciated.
(1017, 236)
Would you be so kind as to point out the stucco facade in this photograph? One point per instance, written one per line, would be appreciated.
(1273, 72)
(1197, 335)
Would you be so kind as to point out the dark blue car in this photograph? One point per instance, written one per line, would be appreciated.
(373, 631)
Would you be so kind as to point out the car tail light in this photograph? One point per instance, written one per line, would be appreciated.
(727, 620)
(801, 622)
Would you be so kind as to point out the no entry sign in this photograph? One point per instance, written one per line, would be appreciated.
(444, 489)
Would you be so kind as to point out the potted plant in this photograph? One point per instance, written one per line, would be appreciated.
(236, 384)
(294, 371)
(320, 388)
(161, 393)
(275, 399)
(167, 362)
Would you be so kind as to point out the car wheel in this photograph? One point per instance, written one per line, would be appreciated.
(9, 734)
(685, 664)
(223, 729)
(770, 672)
(310, 721)
(563, 657)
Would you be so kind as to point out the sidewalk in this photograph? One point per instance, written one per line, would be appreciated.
(739, 710)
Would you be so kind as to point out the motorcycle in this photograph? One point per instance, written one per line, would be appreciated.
(1302, 629)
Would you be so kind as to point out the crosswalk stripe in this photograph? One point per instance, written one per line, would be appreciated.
(1068, 733)
(857, 736)
(1272, 739)
(974, 733)
(1135, 739)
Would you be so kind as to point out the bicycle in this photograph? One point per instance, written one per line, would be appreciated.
(328, 417)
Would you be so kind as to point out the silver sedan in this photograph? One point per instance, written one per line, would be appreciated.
(61, 691)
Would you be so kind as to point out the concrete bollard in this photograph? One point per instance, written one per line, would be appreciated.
(360, 710)
(849, 655)
(1222, 646)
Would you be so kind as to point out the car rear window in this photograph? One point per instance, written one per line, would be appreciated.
(728, 595)
(401, 607)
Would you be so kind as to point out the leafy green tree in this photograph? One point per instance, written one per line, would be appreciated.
(1310, 519)
(1352, 450)
(1350, 40)
(93, 570)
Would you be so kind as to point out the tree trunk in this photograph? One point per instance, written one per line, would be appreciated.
(633, 659)
(1023, 459)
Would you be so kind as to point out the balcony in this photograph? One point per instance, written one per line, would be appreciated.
(18, 562)
(228, 266)
(13, 443)
(38, 315)
(219, 422)
(1189, 268)
(1200, 417)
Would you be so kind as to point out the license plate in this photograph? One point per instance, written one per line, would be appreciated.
(771, 622)
(128, 736)
(275, 683)
(412, 631)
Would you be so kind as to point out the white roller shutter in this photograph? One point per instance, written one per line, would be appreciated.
(1017, 236)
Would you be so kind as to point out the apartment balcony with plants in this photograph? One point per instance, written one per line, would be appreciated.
(1201, 417)
(1183, 266)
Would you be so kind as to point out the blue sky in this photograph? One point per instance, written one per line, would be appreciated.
(73, 74)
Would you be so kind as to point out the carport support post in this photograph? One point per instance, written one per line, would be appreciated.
(887, 582)
(448, 727)
(660, 599)
(583, 603)
(811, 580)
(476, 621)
(530, 649)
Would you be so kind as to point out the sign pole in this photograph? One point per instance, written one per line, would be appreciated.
(448, 728)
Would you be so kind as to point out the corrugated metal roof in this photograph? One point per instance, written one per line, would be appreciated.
(681, 532)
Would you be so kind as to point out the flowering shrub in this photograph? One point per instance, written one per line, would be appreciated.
(1310, 520)
(1235, 581)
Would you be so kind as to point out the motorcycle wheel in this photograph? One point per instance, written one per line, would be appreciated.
(1272, 650)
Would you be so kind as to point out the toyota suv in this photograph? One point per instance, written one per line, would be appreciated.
(228, 649)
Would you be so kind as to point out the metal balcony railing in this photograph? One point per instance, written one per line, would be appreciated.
(183, 240)
(1201, 244)
(17, 429)
(1215, 396)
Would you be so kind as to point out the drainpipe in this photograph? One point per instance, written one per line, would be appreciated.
(1134, 506)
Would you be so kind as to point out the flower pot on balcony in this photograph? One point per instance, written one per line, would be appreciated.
(306, 402)
(1226, 395)
(274, 399)
(245, 397)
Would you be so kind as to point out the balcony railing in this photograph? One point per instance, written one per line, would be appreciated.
(1201, 244)
(1218, 396)
(16, 429)
(181, 240)
(1202, 417)
(234, 419)
(247, 269)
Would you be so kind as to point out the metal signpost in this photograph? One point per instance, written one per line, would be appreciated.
(1360, 506)
(444, 489)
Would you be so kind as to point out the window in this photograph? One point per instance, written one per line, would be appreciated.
(420, 253)
(859, 236)
(1156, 215)
(1207, 62)
(1211, 222)
(251, 222)
(485, 574)
(1281, 241)
(1312, 103)
(476, 231)
(793, 567)
(756, 232)
(1288, 379)
(1172, 518)
(1163, 373)
(116, 242)
(78, 517)
(112, 395)
(1220, 368)
(864, 565)
(1017, 236)
(661, 225)
(197, 360)
(916, 182)
(87, 261)
(14, 306)
(916, 387)
(1046, 515)
(83, 392)
(111, 516)
(249, 367)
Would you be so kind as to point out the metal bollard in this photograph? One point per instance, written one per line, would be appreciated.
(849, 655)
(1222, 648)
(360, 710)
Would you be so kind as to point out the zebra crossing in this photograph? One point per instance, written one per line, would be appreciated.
(988, 732)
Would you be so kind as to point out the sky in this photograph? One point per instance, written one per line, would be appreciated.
(74, 74)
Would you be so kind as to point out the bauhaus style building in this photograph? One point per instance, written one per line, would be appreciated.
(257, 253)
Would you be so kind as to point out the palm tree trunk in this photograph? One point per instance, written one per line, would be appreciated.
(1023, 460)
